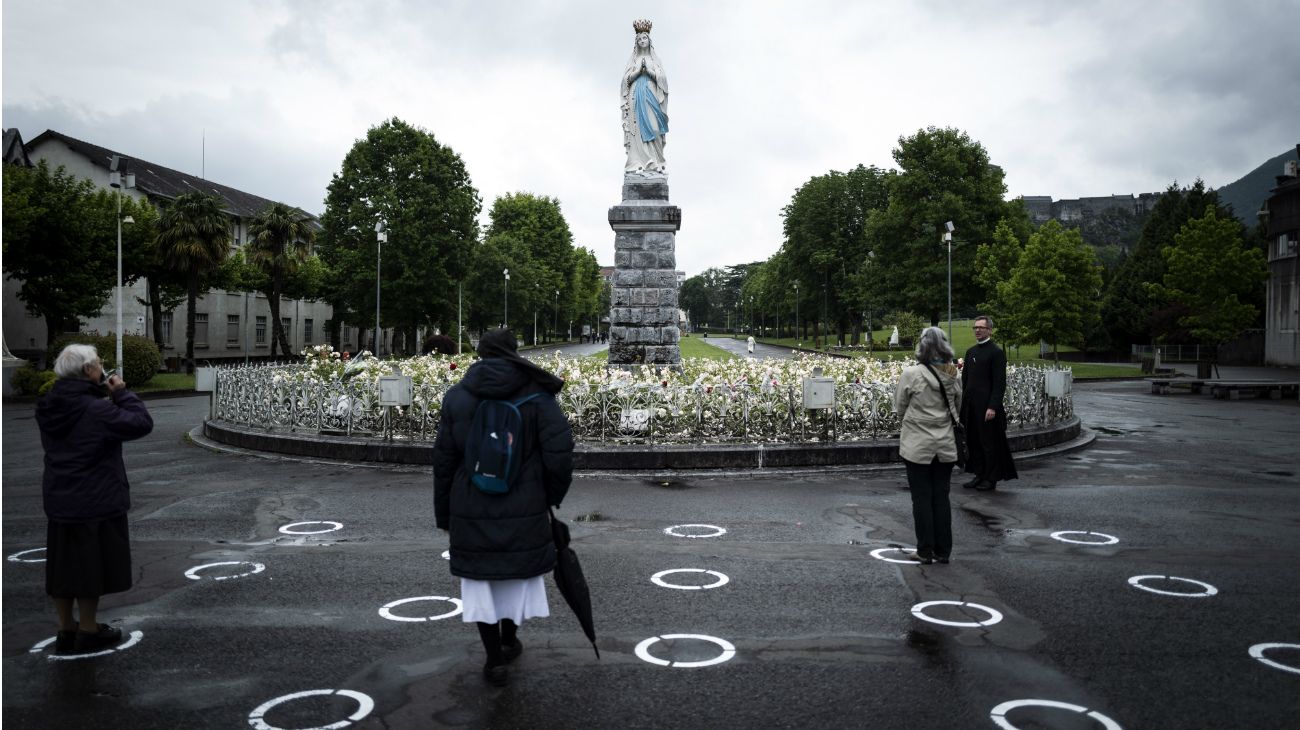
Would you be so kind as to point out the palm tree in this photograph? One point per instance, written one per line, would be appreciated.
(193, 239)
(280, 239)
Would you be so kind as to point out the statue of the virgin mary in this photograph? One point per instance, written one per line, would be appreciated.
(645, 105)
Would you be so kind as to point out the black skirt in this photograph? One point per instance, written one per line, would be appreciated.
(87, 559)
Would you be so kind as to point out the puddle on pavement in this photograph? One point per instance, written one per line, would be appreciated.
(670, 484)
(992, 523)
(1108, 431)
(927, 642)
(1275, 473)
(589, 517)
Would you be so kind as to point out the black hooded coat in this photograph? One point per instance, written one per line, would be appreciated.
(82, 432)
(502, 536)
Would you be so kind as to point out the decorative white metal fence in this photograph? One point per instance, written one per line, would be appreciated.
(254, 396)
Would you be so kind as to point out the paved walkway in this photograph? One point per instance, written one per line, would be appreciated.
(739, 348)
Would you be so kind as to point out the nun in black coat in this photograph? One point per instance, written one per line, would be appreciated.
(501, 544)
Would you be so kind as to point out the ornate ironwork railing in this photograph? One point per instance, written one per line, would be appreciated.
(272, 398)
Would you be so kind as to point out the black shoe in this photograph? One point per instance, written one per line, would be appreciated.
(943, 559)
(65, 642)
(972, 483)
(91, 641)
(922, 559)
(496, 675)
(511, 652)
(986, 486)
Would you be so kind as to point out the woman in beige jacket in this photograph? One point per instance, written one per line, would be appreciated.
(926, 441)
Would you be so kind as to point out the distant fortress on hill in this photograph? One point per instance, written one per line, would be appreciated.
(1042, 208)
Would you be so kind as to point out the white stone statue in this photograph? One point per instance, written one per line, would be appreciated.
(644, 92)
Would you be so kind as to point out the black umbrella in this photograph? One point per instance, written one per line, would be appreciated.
(570, 581)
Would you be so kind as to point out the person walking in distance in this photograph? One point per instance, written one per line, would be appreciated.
(984, 382)
(503, 457)
(83, 420)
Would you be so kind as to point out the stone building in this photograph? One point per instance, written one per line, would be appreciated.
(230, 325)
(1282, 302)
(1042, 208)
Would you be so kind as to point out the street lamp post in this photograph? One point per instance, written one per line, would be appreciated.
(116, 182)
(381, 235)
(505, 306)
(796, 314)
(947, 237)
(537, 290)
(555, 317)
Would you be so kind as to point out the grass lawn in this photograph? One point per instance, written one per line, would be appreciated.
(691, 347)
(166, 381)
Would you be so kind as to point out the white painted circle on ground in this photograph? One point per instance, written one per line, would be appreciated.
(131, 640)
(446, 555)
(17, 557)
(994, 615)
(728, 650)
(386, 609)
(1136, 582)
(287, 531)
(1258, 650)
(878, 555)
(192, 573)
(999, 713)
(365, 705)
(658, 580)
(1106, 539)
(718, 531)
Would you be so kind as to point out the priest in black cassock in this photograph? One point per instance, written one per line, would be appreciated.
(983, 383)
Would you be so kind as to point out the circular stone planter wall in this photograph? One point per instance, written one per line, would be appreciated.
(628, 457)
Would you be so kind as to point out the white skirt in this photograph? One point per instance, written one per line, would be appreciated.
(489, 601)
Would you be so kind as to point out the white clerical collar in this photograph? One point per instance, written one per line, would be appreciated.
(980, 342)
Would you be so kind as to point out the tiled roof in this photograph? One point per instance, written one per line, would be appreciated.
(155, 180)
(14, 152)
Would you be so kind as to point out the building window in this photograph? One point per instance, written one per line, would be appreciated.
(200, 329)
(306, 331)
(232, 329)
(260, 330)
(287, 325)
(1284, 246)
(167, 329)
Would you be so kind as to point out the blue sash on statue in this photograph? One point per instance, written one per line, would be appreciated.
(646, 103)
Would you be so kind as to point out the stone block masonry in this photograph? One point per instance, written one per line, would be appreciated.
(643, 315)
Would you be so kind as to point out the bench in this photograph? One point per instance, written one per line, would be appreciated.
(1229, 389)
(1274, 390)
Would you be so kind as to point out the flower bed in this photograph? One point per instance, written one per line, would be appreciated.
(750, 400)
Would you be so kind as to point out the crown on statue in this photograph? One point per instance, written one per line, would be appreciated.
(642, 26)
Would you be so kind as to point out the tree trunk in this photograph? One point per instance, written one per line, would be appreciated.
(336, 332)
(155, 308)
(277, 284)
(192, 299)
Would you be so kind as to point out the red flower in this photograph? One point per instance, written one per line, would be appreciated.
(453, 366)
(664, 383)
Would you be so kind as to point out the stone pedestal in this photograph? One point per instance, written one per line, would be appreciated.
(643, 311)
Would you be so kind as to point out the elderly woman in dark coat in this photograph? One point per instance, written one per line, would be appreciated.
(501, 544)
(86, 493)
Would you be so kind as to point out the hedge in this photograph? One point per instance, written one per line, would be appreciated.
(140, 353)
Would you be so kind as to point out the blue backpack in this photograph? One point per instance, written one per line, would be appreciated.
(495, 439)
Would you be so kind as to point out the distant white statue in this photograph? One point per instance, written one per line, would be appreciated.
(644, 92)
(750, 344)
(893, 337)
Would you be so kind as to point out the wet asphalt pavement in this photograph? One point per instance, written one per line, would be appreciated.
(824, 634)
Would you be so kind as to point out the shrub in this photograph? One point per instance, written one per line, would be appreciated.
(140, 353)
(30, 381)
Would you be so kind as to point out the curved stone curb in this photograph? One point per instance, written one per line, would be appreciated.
(631, 457)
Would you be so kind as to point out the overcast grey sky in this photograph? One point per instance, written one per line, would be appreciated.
(1071, 99)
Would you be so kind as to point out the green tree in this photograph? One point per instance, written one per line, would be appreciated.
(59, 243)
(588, 298)
(402, 175)
(1129, 314)
(1213, 277)
(280, 240)
(825, 238)
(943, 176)
(994, 263)
(534, 232)
(1052, 292)
(193, 239)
